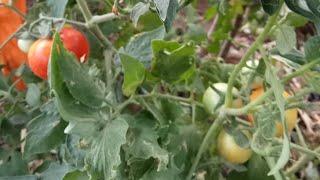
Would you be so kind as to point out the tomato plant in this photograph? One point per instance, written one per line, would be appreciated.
(159, 89)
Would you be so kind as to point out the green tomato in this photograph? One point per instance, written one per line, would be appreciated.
(246, 71)
(25, 44)
(211, 97)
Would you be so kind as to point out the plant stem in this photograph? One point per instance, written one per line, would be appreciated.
(12, 35)
(260, 99)
(271, 163)
(109, 75)
(210, 137)
(168, 96)
(300, 136)
(303, 160)
(301, 70)
(300, 148)
(93, 27)
(14, 9)
(102, 18)
(260, 39)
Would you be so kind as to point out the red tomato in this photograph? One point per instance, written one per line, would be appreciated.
(38, 57)
(76, 42)
(39, 53)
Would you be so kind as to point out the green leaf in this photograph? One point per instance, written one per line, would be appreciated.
(3, 84)
(14, 166)
(313, 5)
(105, 152)
(258, 168)
(259, 143)
(134, 74)
(295, 20)
(76, 175)
(143, 142)
(45, 132)
(240, 138)
(162, 8)
(27, 177)
(81, 85)
(294, 58)
(171, 14)
(169, 174)
(266, 120)
(33, 95)
(56, 171)
(139, 46)
(57, 7)
(74, 150)
(69, 108)
(172, 62)
(300, 7)
(270, 7)
(312, 48)
(285, 38)
(278, 90)
(138, 10)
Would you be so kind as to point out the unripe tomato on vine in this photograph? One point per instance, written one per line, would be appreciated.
(257, 81)
(291, 115)
(212, 97)
(39, 53)
(25, 44)
(230, 150)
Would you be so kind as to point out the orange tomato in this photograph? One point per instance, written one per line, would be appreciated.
(10, 21)
(291, 115)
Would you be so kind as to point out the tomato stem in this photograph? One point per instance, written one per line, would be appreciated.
(260, 99)
(210, 138)
(93, 26)
(260, 39)
(303, 160)
(271, 163)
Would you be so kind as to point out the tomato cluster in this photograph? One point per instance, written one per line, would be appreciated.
(39, 52)
(291, 115)
(226, 146)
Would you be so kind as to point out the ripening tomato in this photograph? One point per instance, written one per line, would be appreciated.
(230, 150)
(75, 41)
(39, 53)
(291, 115)
(38, 57)
(211, 98)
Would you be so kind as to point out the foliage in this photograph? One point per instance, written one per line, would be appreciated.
(134, 110)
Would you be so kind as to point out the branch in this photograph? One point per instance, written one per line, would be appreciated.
(17, 11)
(94, 27)
(12, 35)
(210, 138)
(260, 39)
(301, 162)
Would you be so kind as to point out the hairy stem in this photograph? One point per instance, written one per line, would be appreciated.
(210, 137)
(92, 25)
(260, 99)
(271, 163)
(303, 160)
(260, 39)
